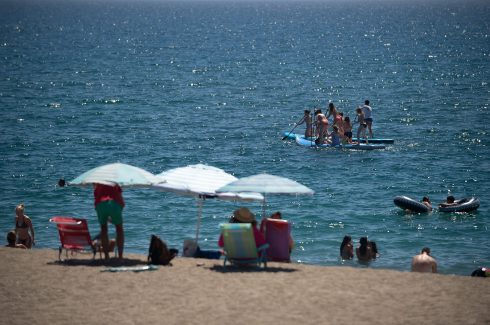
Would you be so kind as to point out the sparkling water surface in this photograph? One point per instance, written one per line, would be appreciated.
(161, 85)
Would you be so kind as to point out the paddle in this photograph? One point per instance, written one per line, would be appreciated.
(286, 136)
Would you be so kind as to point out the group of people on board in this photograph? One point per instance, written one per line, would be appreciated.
(368, 251)
(318, 125)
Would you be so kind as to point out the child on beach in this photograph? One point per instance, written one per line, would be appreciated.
(24, 230)
(361, 131)
(11, 238)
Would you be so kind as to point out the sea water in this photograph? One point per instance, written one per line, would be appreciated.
(160, 84)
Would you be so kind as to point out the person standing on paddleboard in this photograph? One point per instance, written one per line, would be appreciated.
(368, 117)
(309, 123)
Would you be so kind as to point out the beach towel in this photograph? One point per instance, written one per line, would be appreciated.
(131, 268)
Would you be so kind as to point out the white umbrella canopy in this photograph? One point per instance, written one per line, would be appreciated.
(266, 184)
(117, 173)
(201, 181)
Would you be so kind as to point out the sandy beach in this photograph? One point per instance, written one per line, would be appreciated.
(36, 289)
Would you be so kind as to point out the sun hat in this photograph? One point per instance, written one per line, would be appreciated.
(244, 215)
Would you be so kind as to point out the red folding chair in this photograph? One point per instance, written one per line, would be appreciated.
(277, 235)
(74, 235)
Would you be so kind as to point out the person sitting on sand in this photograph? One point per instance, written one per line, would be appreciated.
(346, 248)
(11, 241)
(427, 203)
(309, 123)
(24, 230)
(424, 262)
(263, 228)
(243, 215)
(449, 201)
(363, 252)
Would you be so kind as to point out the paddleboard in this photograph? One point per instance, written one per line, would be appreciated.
(292, 136)
(311, 143)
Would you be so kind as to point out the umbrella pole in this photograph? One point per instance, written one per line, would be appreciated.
(263, 208)
(199, 213)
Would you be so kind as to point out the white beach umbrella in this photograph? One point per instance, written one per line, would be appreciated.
(266, 184)
(201, 181)
(117, 173)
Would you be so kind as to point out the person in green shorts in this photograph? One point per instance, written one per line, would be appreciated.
(109, 204)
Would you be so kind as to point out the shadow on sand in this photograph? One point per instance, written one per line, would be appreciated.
(250, 268)
(112, 262)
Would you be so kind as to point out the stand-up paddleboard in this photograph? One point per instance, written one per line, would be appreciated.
(407, 203)
(310, 142)
(292, 136)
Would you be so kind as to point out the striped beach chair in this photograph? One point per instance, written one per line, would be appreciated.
(74, 235)
(239, 245)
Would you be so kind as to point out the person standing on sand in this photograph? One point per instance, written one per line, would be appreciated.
(424, 262)
(109, 203)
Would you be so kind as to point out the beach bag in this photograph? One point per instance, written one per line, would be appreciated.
(158, 253)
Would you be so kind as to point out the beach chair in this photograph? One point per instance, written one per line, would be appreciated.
(277, 234)
(239, 245)
(74, 235)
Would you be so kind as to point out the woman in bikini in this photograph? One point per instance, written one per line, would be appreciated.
(23, 227)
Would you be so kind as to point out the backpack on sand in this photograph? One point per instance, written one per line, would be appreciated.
(158, 253)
